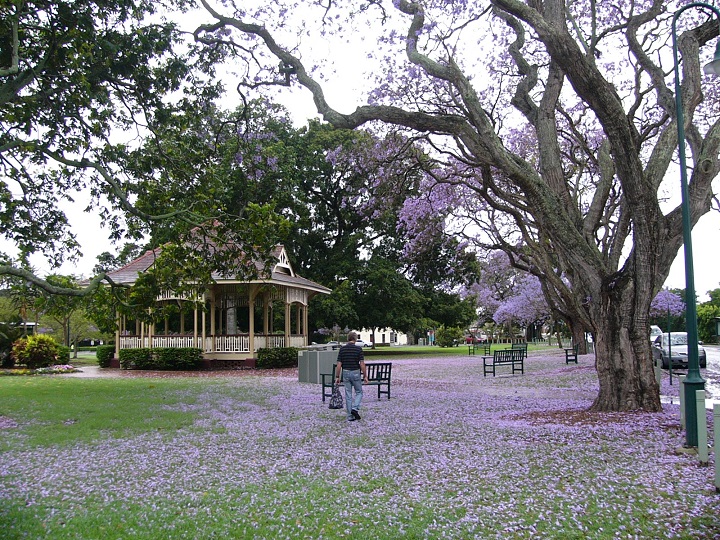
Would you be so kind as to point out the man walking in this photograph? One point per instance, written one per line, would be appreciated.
(351, 368)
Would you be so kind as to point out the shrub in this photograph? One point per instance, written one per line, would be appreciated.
(36, 351)
(63, 356)
(105, 354)
(183, 359)
(448, 336)
(161, 358)
(135, 358)
(8, 335)
(277, 358)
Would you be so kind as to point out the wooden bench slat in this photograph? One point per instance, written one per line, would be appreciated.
(520, 346)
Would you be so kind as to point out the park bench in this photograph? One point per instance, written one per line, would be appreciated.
(571, 354)
(512, 357)
(520, 347)
(378, 374)
(484, 348)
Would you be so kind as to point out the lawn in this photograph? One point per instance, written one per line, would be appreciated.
(451, 455)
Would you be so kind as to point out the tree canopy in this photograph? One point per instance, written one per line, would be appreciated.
(552, 127)
(90, 93)
(340, 227)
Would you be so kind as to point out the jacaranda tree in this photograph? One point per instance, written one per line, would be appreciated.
(553, 122)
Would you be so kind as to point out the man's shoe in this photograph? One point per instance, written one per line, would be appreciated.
(351, 419)
(356, 414)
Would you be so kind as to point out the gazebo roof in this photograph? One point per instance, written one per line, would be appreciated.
(281, 274)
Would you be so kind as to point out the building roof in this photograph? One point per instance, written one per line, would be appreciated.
(282, 272)
(129, 273)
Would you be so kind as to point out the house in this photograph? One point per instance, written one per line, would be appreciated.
(237, 318)
(383, 336)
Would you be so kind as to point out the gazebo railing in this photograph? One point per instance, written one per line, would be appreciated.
(231, 343)
(236, 343)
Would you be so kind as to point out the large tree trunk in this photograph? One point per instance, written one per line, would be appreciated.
(578, 338)
(623, 357)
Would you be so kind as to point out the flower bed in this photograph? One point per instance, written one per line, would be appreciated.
(49, 370)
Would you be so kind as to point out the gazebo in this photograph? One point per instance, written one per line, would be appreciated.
(239, 317)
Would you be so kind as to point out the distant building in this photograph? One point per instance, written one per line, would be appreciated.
(383, 336)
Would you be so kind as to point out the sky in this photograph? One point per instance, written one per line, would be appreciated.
(706, 261)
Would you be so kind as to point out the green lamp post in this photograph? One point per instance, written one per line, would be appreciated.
(694, 380)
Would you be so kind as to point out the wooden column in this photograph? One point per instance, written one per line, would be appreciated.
(213, 309)
(204, 323)
(287, 324)
(117, 334)
(267, 313)
(305, 324)
(251, 321)
(195, 325)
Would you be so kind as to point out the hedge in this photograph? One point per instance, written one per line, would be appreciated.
(105, 354)
(282, 357)
(161, 358)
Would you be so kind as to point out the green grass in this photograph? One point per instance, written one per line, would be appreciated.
(57, 411)
(84, 358)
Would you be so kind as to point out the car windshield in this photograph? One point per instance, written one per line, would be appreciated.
(678, 339)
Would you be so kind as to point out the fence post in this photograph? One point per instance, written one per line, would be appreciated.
(682, 402)
(702, 426)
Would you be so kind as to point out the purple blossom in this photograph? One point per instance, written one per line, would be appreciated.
(525, 306)
(667, 302)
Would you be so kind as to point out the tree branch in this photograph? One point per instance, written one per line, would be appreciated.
(93, 284)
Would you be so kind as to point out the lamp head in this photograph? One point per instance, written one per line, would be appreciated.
(713, 68)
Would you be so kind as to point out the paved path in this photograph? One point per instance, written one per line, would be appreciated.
(93, 372)
(90, 372)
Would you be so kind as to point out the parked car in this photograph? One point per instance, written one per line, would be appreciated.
(655, 331)
(333, 345)
(476, 338)
(361, 343)
(677, 347)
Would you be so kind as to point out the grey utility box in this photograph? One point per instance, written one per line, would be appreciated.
(312, 363)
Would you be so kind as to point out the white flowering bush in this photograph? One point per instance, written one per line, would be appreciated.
(49, 370)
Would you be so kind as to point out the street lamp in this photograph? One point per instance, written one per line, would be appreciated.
(693, 381)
